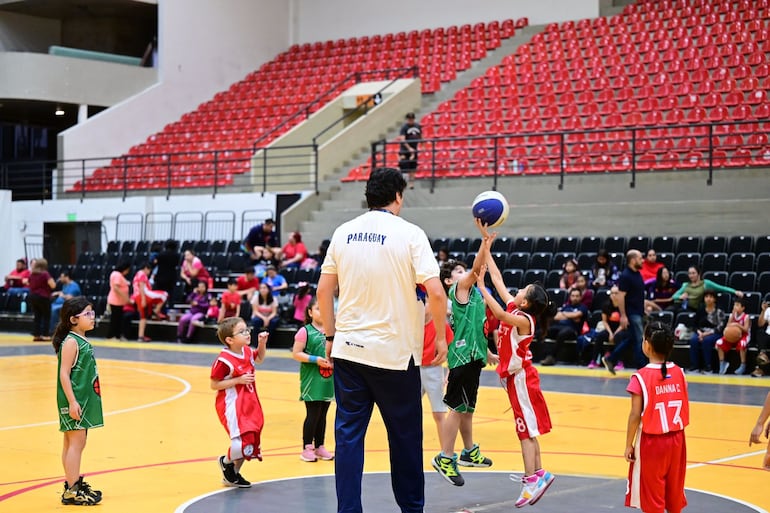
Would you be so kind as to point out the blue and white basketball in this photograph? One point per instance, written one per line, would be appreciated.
(491, 207)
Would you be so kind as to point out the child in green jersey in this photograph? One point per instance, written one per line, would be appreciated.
(316, 383)
(78, 395)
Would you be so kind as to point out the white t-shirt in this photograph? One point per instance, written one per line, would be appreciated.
(378, 259)
(767, 321)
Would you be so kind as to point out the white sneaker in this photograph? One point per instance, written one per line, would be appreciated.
(542, 485)
(528, 489)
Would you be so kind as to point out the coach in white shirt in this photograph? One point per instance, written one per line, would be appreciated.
(376, 260)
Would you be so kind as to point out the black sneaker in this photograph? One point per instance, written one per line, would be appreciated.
(241, 482)
(473, 458)
(447, 467)
(76, 495)
(229, 475)
(85, 487)
(609, 364)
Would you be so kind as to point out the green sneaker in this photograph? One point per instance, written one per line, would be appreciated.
(473, 458)
(447, 467)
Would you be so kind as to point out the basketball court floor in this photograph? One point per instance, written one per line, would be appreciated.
(158, 450)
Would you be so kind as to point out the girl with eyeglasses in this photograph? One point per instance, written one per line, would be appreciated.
(78, 395)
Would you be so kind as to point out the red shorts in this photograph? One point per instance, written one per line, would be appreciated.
(529, 409)
(726, 346)
(248, 446)
(656, 478)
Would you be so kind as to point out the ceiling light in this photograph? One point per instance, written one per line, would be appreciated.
(59, 111)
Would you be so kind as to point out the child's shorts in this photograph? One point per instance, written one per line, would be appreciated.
(726, 346)
(463, 387)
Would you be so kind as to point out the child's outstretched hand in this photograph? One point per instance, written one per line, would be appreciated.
(485, 235)
(480, 276)
(262, 337)
(629, 454)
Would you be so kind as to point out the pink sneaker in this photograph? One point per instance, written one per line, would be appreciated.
(619, 366)
(323, 454)
(593, 365)
(308, 454)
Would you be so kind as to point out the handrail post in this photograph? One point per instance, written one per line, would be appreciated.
(264, 170)
(562, 161)
(316, 165)
(82, 179)
(494, 163)
(433, 166)
(216, 174)
(125, 177)
(633, 159)
(710, 179)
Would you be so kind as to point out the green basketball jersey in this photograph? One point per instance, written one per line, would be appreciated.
(316, 383)
(467, 320)
(85, 385)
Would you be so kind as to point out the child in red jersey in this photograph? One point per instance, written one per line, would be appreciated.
(237, 403)
(655, 442)
(522, 382)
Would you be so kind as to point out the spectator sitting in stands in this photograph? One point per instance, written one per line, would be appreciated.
(198, 300)
(264, 310)
(294, 252)
(275, 281)
(146, 300)
(567, 325)
(690, 294)
(660, 291)
(581, 284)
(212, 313)
(650, 266)
(710, 321)
(604, 273)
(194, 271)
(735, 336)
(17, 281)
(301, 301)
(231, 300)
(442, 255)
(260, 237)
(248, 284)
(763, 336)
(608, 331)
(69, 289)
(569, 274)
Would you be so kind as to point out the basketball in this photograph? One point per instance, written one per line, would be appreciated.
(491, 208)
(732, 334)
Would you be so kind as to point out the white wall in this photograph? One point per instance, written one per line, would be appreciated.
(335, 19)
(204, 47)
(20, 33)
(31, 215)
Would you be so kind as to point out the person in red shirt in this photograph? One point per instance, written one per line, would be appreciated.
(294, 252)
(237, 402)
(231, 301)
(655, 441)
(248, 284)
(650, 265)
(17, 281)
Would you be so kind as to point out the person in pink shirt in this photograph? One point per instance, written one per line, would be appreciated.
(193, 271)
(117, 298)
(301, 301)
(147, 300)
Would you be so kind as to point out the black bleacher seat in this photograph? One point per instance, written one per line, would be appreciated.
(680, 277)
(719, 277)
(144, 256)
(305, 275)
(725, 302)
(13, 302)
(615, 244)
(534, 275)
(568, 245)
(289, 273)
(666, 259)
(79, 273)
(665, 316)
(218, 246)
(525, 245)
(501, 259)
(113, 246)
(557, 295)
(475, 244)
(763, 282)
(753, 300)
(640, 243)
(84, 258)
(469, 258)
(518, 261)
(220, 262)
(741, 262)
(740, 244)
(188, 244)
(540, 261)
(502, 245)
(686, 318)
(744, 281)
(457, 255)
(143, 245)
(619, 260)
(112, 260)
(239, 261)
(94, 272)
(586, 261)
(234, 246)
(688, 244)
(545, 244)
(99, 259)
(128, 246)
(713, 262)
(440, 242)
(54, 270)
(686, 260)
(201, 246)
(714, 244)
(459, 245)
(513, 277)
(552, 279)
(763, 262)
(762, 244)
(3, 300)
(664, 244)
(590, 244)
(601, 296)
(559, 258)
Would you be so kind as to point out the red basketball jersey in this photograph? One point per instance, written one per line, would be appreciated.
(666, 405)
(238, 407)
(513, 348)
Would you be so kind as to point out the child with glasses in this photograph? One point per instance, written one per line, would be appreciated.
(78, 395)
(237, 403)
